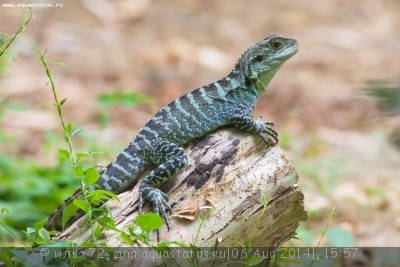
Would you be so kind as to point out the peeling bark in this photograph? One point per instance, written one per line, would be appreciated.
(244, 191)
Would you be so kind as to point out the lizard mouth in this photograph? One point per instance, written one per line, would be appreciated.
(289, 51)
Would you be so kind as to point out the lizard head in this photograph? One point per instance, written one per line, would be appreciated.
(262, 60)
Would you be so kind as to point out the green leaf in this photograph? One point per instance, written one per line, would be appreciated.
(107, 222)
(80, 155)
(95, 198)
(6, 258)
(97, 231)
(170, 243)
(255, 260)
(39, 225)
(78, 171)
(149, 221)
(81, 204)
(126, 238)
(68, 128)
(104, 194)
(91, 176)
(30, 230)
(44, 235)
(63, 101)
(100, 196)
(4, 211)
(88, 244)
(21, 255)
(1, 40)
(69, 211)
(63, 153)
(76, 131)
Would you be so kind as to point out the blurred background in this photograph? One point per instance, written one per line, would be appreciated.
(335, 104)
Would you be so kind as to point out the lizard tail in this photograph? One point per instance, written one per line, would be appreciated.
(54, 222)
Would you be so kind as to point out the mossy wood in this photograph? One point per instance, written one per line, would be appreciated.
(243, 191)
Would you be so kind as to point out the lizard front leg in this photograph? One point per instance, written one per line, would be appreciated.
(244, 122)
(170, 158)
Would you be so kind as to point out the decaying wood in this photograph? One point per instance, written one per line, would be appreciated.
(243, 191)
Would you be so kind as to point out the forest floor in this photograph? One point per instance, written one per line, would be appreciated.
(340, 143)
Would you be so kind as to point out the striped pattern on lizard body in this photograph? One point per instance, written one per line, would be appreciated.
(228, 101)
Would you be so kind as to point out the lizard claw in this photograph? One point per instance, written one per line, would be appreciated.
(159, 201)
(270, 132)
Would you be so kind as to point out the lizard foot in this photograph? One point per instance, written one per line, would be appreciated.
(158, 199)
(265, 127)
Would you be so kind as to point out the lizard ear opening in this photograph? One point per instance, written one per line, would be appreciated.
(259, 58)
(247, 81)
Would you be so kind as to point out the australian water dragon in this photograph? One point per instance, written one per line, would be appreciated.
(229, 101)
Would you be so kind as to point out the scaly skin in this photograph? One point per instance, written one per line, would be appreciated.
(228, 101)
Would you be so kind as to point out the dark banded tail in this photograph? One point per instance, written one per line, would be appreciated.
(54, 222)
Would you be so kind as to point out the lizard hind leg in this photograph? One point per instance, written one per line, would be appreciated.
(169, 158)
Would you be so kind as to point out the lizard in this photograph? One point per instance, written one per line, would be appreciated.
(228, 101)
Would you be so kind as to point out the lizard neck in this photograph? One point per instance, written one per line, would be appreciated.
(239, 75)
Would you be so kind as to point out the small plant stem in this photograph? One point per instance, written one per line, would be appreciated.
(21, 28)
(67, 132)
(14, 235)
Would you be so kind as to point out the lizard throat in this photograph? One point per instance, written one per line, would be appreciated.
(262, 82)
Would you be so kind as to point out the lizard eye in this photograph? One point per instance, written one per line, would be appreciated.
(276, 45)
(259, 58)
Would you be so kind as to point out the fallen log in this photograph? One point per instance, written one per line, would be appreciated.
(245, 193)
